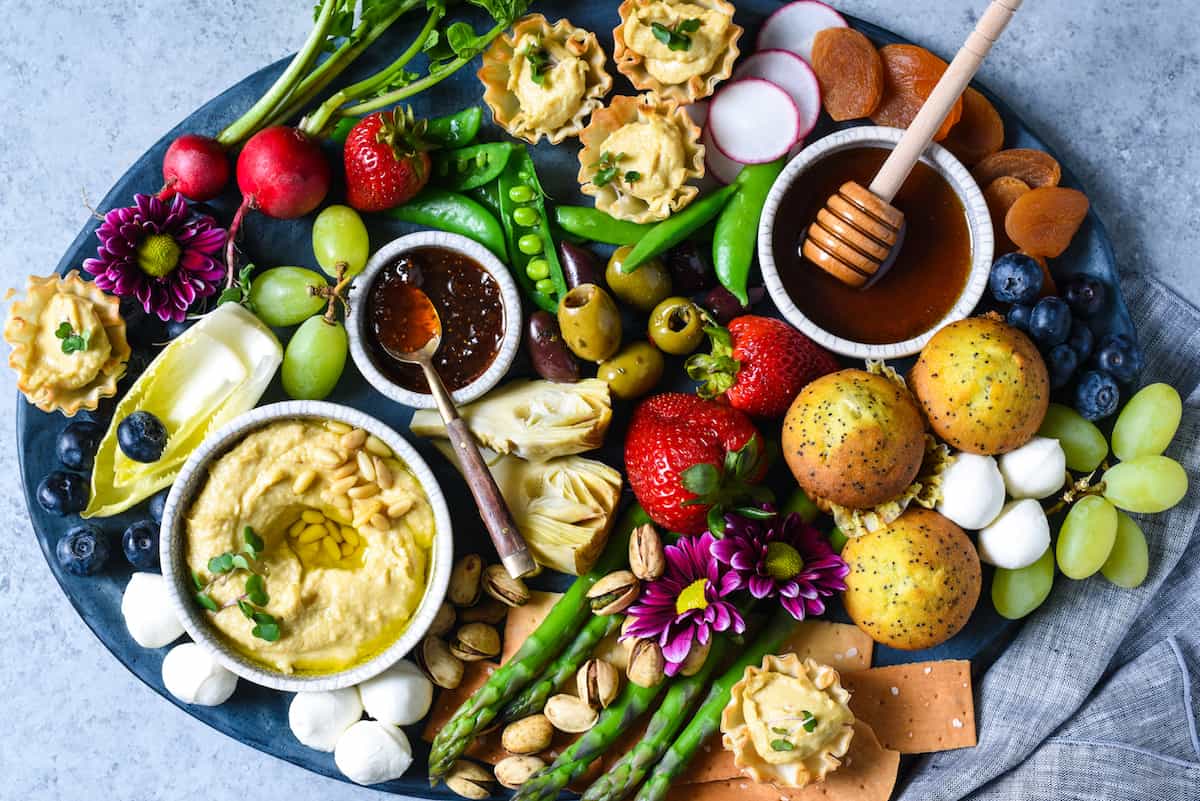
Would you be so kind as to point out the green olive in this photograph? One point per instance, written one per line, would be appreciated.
(590, 322)
(634, 371)
(644, 287)
(677, 326)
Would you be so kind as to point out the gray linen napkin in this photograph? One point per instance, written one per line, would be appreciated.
(1098, 695)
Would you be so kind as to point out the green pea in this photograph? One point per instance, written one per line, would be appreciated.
(530, 244)
(526, 216)
(520, 194)
(537, 269)
(544, 287)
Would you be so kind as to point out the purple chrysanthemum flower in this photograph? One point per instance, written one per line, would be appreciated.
(685, 606)
(782, 557)
(162, 253)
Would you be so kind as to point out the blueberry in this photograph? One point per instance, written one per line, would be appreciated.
(1120, 356)
(140, 543)
(1061, 361)
(1018, 316)
(158, 502)
(1050, 322)
(63, 493)
(1015, 278)
(1082, 340)
(77, 445)
(1085, 295)
(142, 437)
(1096, 395)
(83, 550)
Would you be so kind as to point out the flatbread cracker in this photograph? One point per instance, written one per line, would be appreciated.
(842, 646)
(522, 620)
(917, 708)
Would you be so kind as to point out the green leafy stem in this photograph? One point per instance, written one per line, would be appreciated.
(254, 598)
(72, 341)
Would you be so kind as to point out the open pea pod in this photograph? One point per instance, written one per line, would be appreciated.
(214, 371)
(532, 254)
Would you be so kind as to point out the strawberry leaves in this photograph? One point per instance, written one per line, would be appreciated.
(731, 487)
(716, 370)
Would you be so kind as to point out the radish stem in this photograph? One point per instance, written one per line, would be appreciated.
(235, 227)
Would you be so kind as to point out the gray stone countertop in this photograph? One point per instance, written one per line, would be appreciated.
(1113, 85)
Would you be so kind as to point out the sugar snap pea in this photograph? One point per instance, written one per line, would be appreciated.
(458, 214)
(736, 234)
(453, 130)
(596, 226)
(470, 167)
(523, 213)
(676, 228)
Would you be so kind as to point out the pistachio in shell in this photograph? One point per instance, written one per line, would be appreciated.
(443, 667)
(470, 780)
(514, 771)
(614, 593)
(597, 683)
(509, 591)
(489, 610)
(695, 659)
(646, 664)
(647, 560)
(443, 621)
(529, 735)
(475, 642)
(569, 714)
(465, 581)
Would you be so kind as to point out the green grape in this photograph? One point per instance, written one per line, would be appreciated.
(280, 296)
(800, 503)
(1129, 561)
(314, 359)
(1086, 537)
(1148, 422)
(1146, 485)
(1081, 441)
(338, 234)
(1016, 593)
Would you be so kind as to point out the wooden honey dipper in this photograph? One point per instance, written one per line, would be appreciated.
(856, 237)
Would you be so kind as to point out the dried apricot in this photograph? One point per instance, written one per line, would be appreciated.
(980, 131)
(909, 75)
(850, 72)
(1000, 195)
(1044, 220)
(1032, 166)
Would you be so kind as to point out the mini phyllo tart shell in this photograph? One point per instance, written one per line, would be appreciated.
(789, 722)
(52, 373)
(638, 155)
(679, 49)
(544, 80)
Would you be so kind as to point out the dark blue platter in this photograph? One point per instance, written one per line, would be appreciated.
(257, 716)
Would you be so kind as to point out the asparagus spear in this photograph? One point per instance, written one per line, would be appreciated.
(707, 719)
(547, 783)
(565, 618)
(623, 777)
(533, 698)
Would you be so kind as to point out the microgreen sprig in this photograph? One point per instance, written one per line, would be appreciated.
(540, 62)
(254, 595)
(606, 168)
(72, 341)
(676, 39)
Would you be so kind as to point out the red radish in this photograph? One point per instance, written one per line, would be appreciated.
(791, 74)
(196, 167)
(719, 166)
(753, 121)
(794, 27)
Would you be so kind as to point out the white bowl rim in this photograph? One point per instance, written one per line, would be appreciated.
(978, 224)
(510, 302)
(178, 579)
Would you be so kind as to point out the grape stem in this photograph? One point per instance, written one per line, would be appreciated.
(1078, 489)
(334, 293)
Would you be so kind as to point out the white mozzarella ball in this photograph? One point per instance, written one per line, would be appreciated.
(319, 719)
(972, 491)
(1017, 538)
(194, 677)
(147, 610)
(400, 695)
(1037, 469)
(370, 752)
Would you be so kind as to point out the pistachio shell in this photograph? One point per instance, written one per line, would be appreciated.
(569, 714)
(527, 735)
(469, 780)
(646, 664)
(614, 592)
(504, 588)
(476, 641)
(646, 557)
(443, 667)
(513, 771)
(489, 610)
(695, 659)
(597, 683)
(464, 581)
(443, 621)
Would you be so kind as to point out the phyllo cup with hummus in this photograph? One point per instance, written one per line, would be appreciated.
(544, 80)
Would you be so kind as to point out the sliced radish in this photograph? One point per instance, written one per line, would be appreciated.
(719, 166)
(753, 121)
(792, 74)
(698, 111)
(794, 27)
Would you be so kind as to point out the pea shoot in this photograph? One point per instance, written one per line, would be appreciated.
(677, 38)
(72, 341)
(606, 168)
(540, 62)
(254, 595)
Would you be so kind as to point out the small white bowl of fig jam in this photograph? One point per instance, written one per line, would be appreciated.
(477, 303)
(939, 274)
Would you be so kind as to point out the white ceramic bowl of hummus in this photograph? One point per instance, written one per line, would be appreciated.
(352, 592)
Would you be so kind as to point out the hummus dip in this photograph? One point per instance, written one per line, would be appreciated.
(347, 533)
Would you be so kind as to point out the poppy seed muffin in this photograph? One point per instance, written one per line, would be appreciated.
(913, 584)
(983, 386)
(854, 438)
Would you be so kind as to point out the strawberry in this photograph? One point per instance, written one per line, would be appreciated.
(758, 365)
(688, 458)
(385, 159)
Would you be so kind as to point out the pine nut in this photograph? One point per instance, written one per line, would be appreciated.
(296, 528)
(304, 481)
(378, 447)
(366, 468)
(331, 549)
(399, 508)
(312, 516)
(364, 491)
(332, 528)
(312, 534)
(353, 440)
(348, 469)
(343, 485)
(337, 427)
(326, 457)
(379, 521)
(350, 536)
(347, 549)
(383, 474)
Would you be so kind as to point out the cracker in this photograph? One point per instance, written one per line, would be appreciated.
(841, 646)
(916, 708)
(522, 620)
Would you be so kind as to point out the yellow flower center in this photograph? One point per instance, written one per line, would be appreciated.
(158, 254)
(783, 561)
(692, 597)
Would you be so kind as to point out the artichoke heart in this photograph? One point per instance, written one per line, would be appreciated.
(535, 420)
(564, 507)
